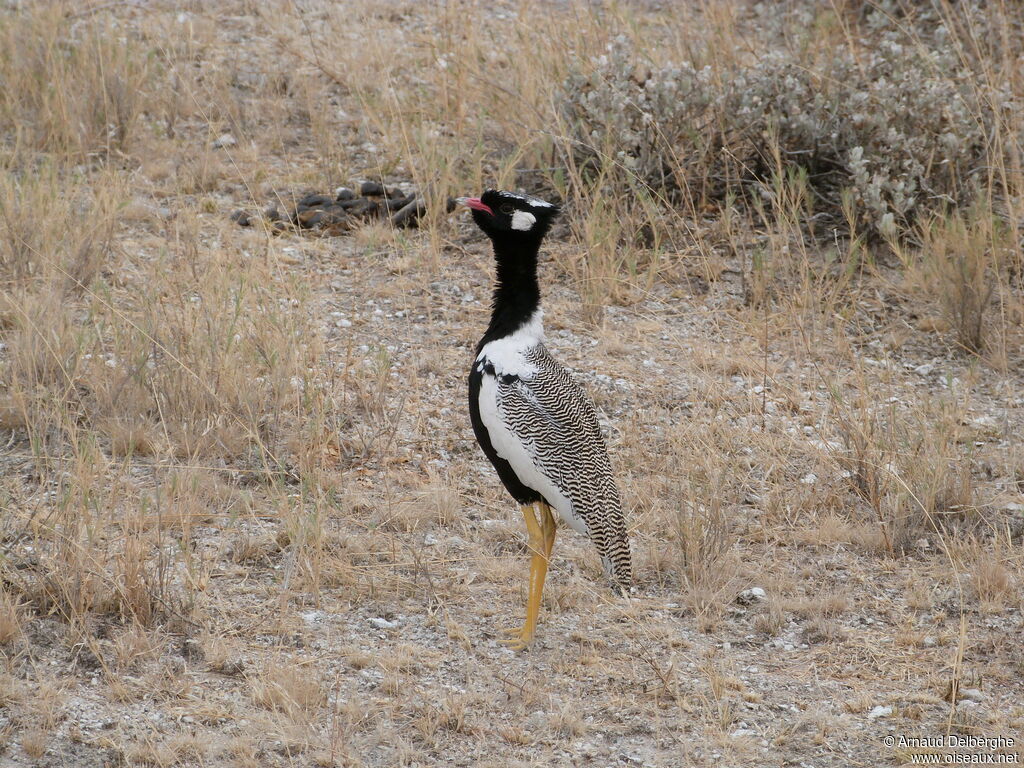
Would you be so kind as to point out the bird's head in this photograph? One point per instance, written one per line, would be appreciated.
(511, 217)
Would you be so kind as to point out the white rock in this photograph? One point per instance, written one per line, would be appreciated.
(986, 422)
(752, 595)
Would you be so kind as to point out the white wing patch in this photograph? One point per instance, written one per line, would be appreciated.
(523, 221)
(521, 455)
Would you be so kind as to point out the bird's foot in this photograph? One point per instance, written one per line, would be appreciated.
(519, 638)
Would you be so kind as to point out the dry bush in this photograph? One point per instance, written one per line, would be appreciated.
(68, 575)
(965, 258)
(10, 618)
(912, 469)
(288, 689)
(202, 360)
(56, 228)
(691, 511)
(703, 538)
(896, 121)
(74, 83)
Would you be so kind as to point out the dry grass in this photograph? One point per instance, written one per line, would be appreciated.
(244, 520)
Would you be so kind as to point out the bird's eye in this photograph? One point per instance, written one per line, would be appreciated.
(506, 208)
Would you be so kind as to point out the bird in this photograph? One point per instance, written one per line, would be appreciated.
(534, 422)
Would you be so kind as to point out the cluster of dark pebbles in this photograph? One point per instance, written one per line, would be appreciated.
(337, 215)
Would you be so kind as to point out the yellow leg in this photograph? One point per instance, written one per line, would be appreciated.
(542, 539)
(547, 524)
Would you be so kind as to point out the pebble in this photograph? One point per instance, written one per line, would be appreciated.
(752, 595)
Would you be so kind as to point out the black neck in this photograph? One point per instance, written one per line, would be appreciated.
(516, 294)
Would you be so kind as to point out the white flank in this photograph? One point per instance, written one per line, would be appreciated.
(523, 221)
(507, 355)
(520, 455)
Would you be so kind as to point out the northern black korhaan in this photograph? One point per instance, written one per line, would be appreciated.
(536, 425)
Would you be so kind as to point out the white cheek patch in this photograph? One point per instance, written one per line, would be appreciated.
(523, 221)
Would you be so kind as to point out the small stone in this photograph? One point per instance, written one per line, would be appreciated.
(752, 595)
(987, 426)
(371, 188)
(878, 712)
(224, 141)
